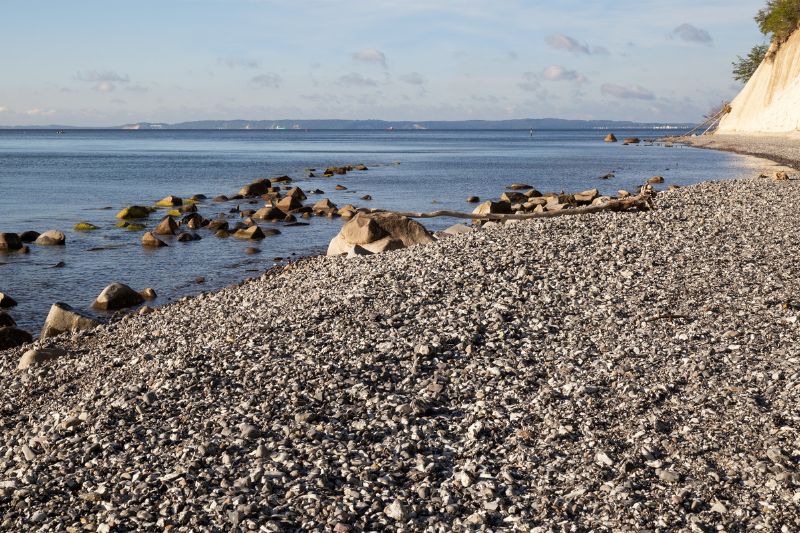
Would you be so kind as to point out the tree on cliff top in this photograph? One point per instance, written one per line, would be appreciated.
(779, 18)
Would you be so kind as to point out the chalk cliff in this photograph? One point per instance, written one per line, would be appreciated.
(770, 102)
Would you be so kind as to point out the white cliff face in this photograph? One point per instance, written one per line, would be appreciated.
(770, 102)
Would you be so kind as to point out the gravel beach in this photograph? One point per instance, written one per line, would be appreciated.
(782, 149)
(619, 371)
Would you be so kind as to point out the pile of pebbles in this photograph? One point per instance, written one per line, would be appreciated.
(619, 371)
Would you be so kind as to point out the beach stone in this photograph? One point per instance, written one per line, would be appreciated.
(148, 293)
(6, 319)
(513, 197)
(492, 208)
(170, 201)
(610, 138)
(63, 318)
(117, 296)
(51, 238)
(38, 356)
(10, 241)
(396, 511)
(167, 226)
(133, 211)
(6, 301)
(252, 233)
(473, 199)
(586, 197)
(151, 241)
(340, 188)
(256, 188)
(458, 229)
(656, 179)
(12, 337)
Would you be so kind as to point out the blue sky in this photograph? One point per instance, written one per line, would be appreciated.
(112, 62)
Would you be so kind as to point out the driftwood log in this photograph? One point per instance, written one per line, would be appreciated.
(640, 202)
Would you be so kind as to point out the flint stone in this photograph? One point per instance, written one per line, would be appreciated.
(38, 356)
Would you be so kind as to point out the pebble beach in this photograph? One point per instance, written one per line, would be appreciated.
(617, 371)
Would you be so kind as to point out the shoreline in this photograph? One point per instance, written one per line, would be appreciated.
(782, 150)
(442, 385)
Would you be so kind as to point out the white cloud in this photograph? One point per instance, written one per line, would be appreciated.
(101, 76)
(104, 87)
(559, 41)
(559, 73)
(355, 79)
(270, 80)
(370, 55)
(36, 112)
(238, 62)
(692, 34)
(630, 91)
(413, 78)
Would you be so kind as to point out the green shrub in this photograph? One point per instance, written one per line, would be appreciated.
(779, 18)
(744, 67)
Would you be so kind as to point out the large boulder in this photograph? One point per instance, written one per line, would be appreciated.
(379, 232)
(51, 238)
(296, 192)
(513, 197)
(610, 138)
(256, 188)
(10, 241)
(217, 224)
(252, 233)
(117, 296)
(29, 236)
(167, 226)
(38, 356)
(12, 337)
(62, 318)
(133, 211)
(6, 301)
(586, 197)
(493, 208)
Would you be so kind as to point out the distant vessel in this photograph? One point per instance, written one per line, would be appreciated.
(531, 132)
(390, 128)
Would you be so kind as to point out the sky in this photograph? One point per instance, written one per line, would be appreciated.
(111, 62)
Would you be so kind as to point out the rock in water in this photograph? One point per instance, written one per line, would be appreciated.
(28, 236)
(51, 238)
(6, 319)
(63, 318)
(38, 356)
(117, 296)
(151, 241)
(473, 199)
(256, 188)
(253, 233)
(133, 211)
(7, 301)
(11, 337)
(85, 226)
(296, 192)
(656, 180)
(149, 294)
(289, 203)
(611, 138)
(10, 241)
(167, 226)
(170, 201)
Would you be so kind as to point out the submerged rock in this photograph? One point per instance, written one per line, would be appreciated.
(10, 241)
(151, 241)
(63, 318)
(85, 226)
(6, 301)
(117, 296)
(133, 211)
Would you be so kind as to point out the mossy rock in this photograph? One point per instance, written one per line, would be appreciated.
(134, 211)
(135, 227)
(85, 226)
(174, 213)
(170, 201)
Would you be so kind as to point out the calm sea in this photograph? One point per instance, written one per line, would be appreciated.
(52, 181)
